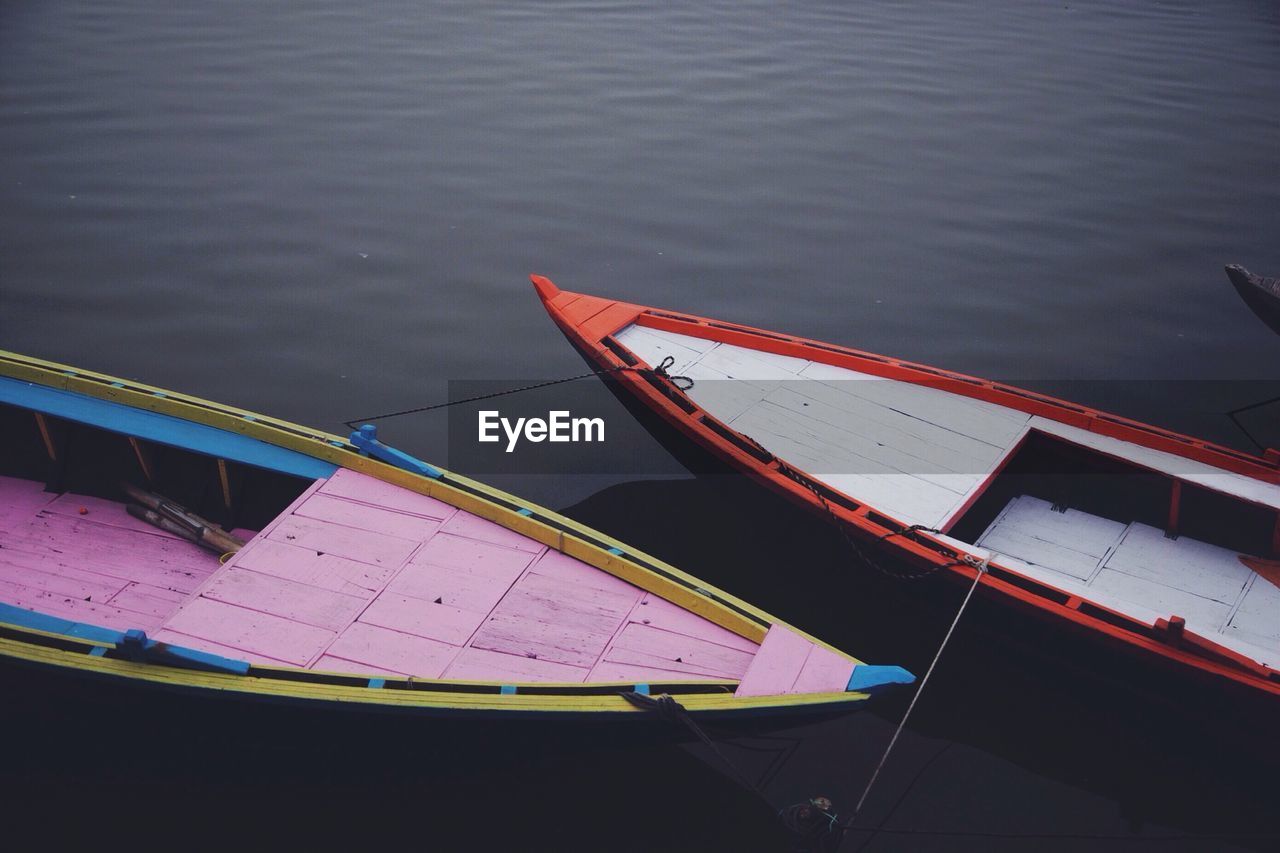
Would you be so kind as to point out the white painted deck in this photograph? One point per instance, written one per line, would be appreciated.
(918, 453)
(911, 451)
(1135, 569)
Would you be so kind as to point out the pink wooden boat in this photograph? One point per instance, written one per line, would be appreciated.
(367, 578)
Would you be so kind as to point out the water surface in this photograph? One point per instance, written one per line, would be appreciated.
(321, 210)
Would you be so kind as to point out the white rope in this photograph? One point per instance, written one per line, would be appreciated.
(981, 569)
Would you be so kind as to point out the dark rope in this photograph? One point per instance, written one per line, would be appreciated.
(915, 780)
(1235, 419)
(910, 531)
(668, 709)
(782, 754)
(806, 481)
(683, 383)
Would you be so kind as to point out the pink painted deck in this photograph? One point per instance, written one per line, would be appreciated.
(363, 577)
(100, 566)
(788, 663)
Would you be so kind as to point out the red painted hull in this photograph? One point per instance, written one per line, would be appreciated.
(590, 323)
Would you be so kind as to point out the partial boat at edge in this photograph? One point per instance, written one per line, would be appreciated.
(1262, 295)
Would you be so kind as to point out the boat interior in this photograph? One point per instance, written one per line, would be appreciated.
(343, 573)
(1140, 531)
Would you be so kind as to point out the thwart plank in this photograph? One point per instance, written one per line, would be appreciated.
(392, 650)
(304, 565)
(423, 618)
(250, 630)
(487, 665)
(299, 602)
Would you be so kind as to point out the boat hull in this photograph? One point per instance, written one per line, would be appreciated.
(1260, 294)
(526, 554)
(591, 324)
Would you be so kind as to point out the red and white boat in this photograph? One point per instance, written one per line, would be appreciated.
(1160, 542)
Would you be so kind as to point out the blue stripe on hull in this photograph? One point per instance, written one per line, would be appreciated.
(162, 429)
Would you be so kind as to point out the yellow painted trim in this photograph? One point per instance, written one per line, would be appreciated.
(409, 699)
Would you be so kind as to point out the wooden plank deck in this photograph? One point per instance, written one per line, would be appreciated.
(1135, 569)
(99, 566)
(356, 577)
(361, 577)
(788, 663)
(914, 452)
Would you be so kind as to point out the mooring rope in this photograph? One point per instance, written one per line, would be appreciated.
(1234, 415)
(672, 711)
(980, 569)
(684, 383)
(805, 480)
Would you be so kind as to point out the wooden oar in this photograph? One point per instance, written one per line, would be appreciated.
(152, 517)
(201, 530)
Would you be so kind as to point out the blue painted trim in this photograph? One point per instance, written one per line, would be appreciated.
(162, 429)
(133, 643)
(95, 633)
(617, 552)
(377, 682)
(524, 511)
(98, 651)
(55, 625)
(136, 646)
(366, 441)
(507, 689)
(165, 653)
(868, 678)
(642, 689)
(31, 619)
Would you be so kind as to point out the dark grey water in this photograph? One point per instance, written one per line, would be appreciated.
(322, 210)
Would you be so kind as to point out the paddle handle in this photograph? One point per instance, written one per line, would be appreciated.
(181, 521)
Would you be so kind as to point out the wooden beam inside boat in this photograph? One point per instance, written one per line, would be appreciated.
(1175, 506)
(143, 462)
(44, 434)
(226, 483)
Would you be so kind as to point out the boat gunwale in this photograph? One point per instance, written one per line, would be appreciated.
(552, 700)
